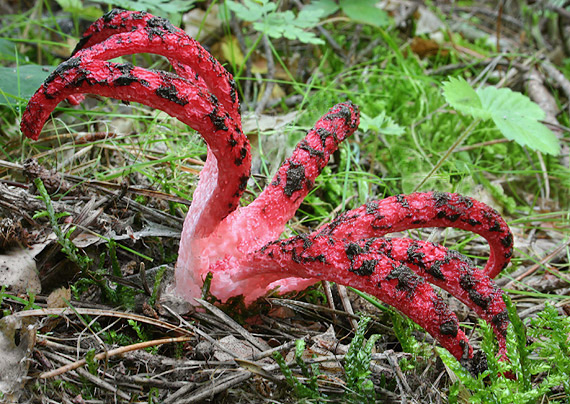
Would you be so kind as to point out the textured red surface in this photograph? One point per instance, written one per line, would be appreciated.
(120, 33)
(241, 245)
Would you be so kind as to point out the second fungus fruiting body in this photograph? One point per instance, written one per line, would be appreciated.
(241, 245)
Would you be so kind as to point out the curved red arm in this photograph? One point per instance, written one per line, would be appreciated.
(228, 172)
(429, 209)
(121, 32)
(394, 270)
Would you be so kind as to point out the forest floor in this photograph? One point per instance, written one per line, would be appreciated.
(87, 261)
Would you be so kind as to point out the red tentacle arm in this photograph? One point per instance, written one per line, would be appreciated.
(430, 209)
(121, 32)
(419, 210)
(250, 227)
(394, 270)
(296, 177)
(229, 170)
(375, 273)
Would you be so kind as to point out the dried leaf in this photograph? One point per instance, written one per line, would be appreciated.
(427, 47)
(14, 359)
(18, 269)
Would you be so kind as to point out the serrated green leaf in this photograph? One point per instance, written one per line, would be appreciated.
(508, 102)
(286, 25)
(517, 117)
(308, 19)
(364, 11)
(250, 10)
(276, 24)
(527, 132)
(514, 114)
(461, 96)
(380, 123)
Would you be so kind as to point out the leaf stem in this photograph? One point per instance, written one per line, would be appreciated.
(455, 144)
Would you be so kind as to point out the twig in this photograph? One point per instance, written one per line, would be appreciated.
(310, 306)
(93, 379)
(218, 386)
(243, 48)
(283, 347)
(330, 299)
(557, 76)
(332, 42)
(539, 94)
(103, 313)
(181, 392)
(353, 45)
(539, 264)
(111, 353)
(199, 332)
(262, 346)
(400, 379)
(270, 76)
(347, 306)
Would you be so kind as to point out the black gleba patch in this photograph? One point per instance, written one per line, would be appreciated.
(295, 178)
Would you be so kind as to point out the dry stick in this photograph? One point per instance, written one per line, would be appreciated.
(234, 325)
(270, 76)
(400, 380)
(109, 187)
(283, 347)
(199, 332)
(536, 266)
(544, 171)
(217, 387)
(330, 299)
(93, 379)
(558, 77)
(493, 14)
(112, 352)
(263, 370)
(539, 94)
(498, 30)
(459, 66)
(45, 341)
(104, 313)
(182, 391)
(295, 304)
(544, 187)
(235, 26)
(333, 44)
(562, 34)
(347, 306)
(353, 45)
(161, 384)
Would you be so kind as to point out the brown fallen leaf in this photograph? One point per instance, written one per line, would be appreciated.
(18, 270)
(14, 361)
(427, 47)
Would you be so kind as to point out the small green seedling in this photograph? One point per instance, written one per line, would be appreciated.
(514, 114)
(278, 24)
